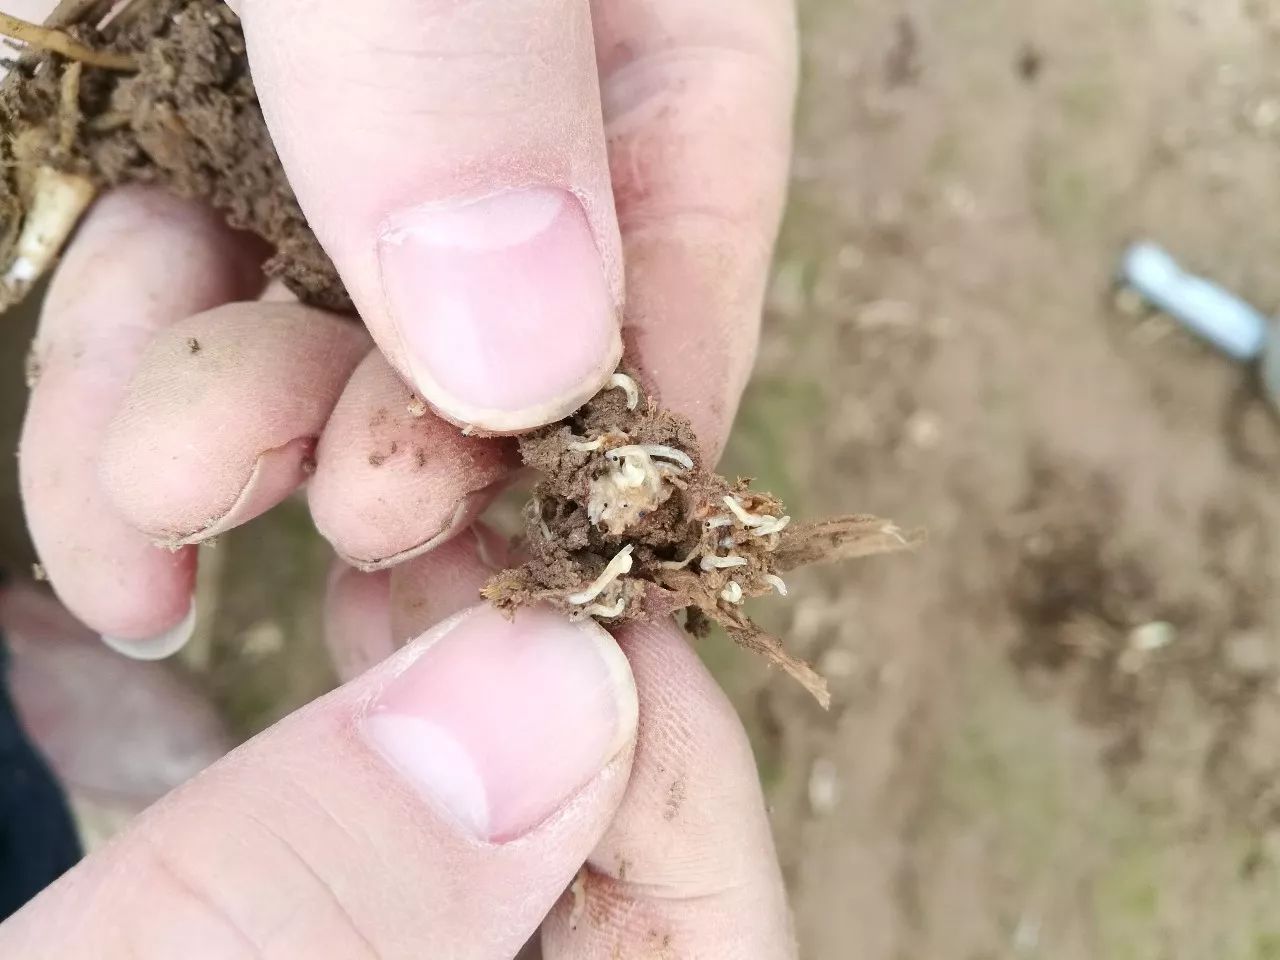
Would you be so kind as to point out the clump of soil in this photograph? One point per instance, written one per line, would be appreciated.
(627, 521)
(176, 107)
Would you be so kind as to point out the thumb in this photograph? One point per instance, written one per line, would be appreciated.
(436, 806)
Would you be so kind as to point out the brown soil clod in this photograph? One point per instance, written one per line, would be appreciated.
(158, 93)
(627, 523)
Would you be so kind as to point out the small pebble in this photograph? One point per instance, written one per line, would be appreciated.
(1152, 636)
(824, 786)
(924, 430)
(1265, 115)
(1026, 935)
(264, 639)
(838, 663)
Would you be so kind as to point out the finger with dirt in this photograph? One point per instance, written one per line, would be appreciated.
(688, 867)
(393, 480)
(484, 254)
(141, 261)
(220, 422)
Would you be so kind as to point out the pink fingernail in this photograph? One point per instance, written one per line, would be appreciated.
(499, 723)
(502, 306)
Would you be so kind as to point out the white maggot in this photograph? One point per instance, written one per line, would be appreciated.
(775, 525)
(621, 381)
(657, 451)
(619, 565)
(607, 612)
(712, 562)
(749, 519)
(732, 592)
(680, 564)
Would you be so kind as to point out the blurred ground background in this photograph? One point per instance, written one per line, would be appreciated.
(1056, 728)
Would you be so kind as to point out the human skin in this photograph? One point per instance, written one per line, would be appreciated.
(480, 175)
(512, 191)
(489, 779)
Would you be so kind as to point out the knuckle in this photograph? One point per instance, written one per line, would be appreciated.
(270, 903)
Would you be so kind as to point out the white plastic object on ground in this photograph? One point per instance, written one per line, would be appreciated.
(1213, 313)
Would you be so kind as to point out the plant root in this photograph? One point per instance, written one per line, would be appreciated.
(628, 524)
(65, 45)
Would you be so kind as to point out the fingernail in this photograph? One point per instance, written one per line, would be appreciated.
(160, 646)
(276, 474)
(499, 723)
(502, 306)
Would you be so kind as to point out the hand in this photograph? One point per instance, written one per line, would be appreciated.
(442, 805)
(479, 173)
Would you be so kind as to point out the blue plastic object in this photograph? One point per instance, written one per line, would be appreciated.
(1215, 314)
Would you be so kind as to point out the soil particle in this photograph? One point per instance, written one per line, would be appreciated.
(902, 65)
(676, 795)
(1029, 64)
(32, 368)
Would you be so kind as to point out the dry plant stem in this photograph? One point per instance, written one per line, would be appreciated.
(57, 202)
(69, 118)
(65, 45)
